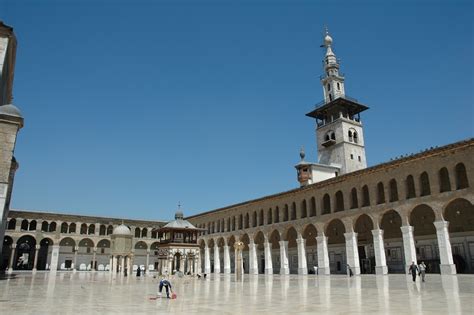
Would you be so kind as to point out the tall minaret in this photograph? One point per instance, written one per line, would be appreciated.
(339, 131)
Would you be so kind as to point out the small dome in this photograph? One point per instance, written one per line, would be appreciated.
(121, 230)
(10, 110)
(327, 40)
(179, 215)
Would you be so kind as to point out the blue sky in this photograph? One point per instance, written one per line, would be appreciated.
(132, 106)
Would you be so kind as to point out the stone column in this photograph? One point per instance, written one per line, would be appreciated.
(12, 257)
(35, 261)
(132, 257)
(111, 266)
(253, 268)
(114, 264)
(408, 245)
(302, 264)
(239, 267)
(226, 259)
(122, 264)
(207, 260)
(379, 249)
(217, 259)
(147, 259)
(94, 258)
(352, 252)
(284, 269)
(268, 257)
(323, 255)
(54, 258)
(76, 248)
(447, 266)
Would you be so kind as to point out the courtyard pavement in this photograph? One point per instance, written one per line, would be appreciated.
(99, 293)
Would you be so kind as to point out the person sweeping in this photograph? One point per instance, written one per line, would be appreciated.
(167, 285)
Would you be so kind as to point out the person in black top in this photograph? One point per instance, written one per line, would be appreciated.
(414, 270)
(165, 283)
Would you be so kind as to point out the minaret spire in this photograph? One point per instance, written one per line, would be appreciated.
(332, 81)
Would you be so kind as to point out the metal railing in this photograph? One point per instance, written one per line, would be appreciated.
(323, 102)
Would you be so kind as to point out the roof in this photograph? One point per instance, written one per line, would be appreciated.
(352, 106)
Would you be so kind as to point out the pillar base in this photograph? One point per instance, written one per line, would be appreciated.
(226, 270)
(34, 270)
(302, 271)
(217, 271)
(207, 271)
(253, 271)
(10, 270)
(269, 271)
(448, 269)
(284, 271)
(324, 271)
(381, 270)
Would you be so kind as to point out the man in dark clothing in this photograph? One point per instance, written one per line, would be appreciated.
(414, 270)
(165, 283)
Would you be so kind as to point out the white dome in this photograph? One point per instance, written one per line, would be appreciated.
(121, 230)
(327, 40)
(10, 110)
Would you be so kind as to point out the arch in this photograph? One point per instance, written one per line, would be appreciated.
(363, 226)
(102, 230)
(410, 187)
(137, 232)
(67, 241)
(460, 215)
(233, 223)
(64, 228)
(326, 204)
(140, 245)
(86, 242)
(44, 226)
(354, 200)
(52, 227)
(104, 243)
(261, 219)
(110, 229)
(25, 253)
(312, 207)
(380, 193)
(285, 213)
(83, 228)
(42, 260)
(365, 196)
(390, 224)
(425, 189)
(254, 220)
(293, 211)
(335, 232)
(240, 222)
(461, 176)
(270, 216)
(155, 246)
(91, 229)
(304, 210)
(356, 137)
(393, 190)
(349, 134)
(32, 226)
(72, 228)
(309, 234)
(290, 235)
(247, 220)
(24, 225)
(11, 224)
(422, 218)
(444, 183)
(145, 232)
(277, 215)
(339, 201)
(46, 241)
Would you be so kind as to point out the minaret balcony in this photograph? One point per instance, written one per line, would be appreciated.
(328, 143)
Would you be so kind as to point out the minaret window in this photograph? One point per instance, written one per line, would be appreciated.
(338, 86)
(330, 97)
(356, 138)
(350, 135)
(329, 87)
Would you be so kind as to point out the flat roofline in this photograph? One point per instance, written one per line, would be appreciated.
(354, 107)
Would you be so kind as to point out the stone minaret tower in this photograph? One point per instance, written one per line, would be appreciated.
(339, 131)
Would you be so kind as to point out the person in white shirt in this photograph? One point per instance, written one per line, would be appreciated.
(422, 269)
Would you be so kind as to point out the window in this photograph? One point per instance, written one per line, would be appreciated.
(350, 136)
(393, 190)
(339, 201)
(461, 176)
(338, 86)
(425, 184)
(356, 137)
(359, 158)
(352, 156)
(329, 87)
(330, 97)
(326, 204)
(11, 224)
(380, 193)
(354, 201)
(410, 187)
(365, 196)
(444, 184)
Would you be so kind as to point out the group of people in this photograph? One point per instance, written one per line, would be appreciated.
(419, 270)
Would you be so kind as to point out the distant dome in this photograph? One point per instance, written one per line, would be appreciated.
(121, 230)
(327, 40)
(10, 110)
(179, 215)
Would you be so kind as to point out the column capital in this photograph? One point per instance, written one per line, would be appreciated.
(301, 240)
(377, 232)
(283, 243)
(350, 235)
(37, 247)
(13, 245)
(406, 229)
(441, 224)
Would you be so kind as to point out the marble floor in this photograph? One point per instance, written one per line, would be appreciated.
(98, 293)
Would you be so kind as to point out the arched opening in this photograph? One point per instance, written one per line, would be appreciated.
(336, 246)
(424, 232)
(293, 211)
(245, 252)
(326, 204)
(460, 215)
(363, 227)
(137, 232)
(259, 239)
(66, 253)
(25, 253)
(461, 176)
(285, 213)
(410, 187)
(339, 201)
(380, 193)
(390, 224)
(52, 227)
(270, 216)
(102, 230)
(304, 210)
(24, 225)
(425, 184)
(247, 221)
(44, 226)
(228, 225)
(356, 137)
(291, 236)
(102, 256)
(91, 229)
(220, 248)
(230, 243)
(11, 224)
(261, 218)
(393, 190)
(32, 226)
(354, 200)
(312, 207)
(83, 229)
(72, 228)
(44, 254)
(64, 227)
(274, 240)
(141, 249)
(365, 196)
(145, 233)
(309, 234)
(241, 222)
(349, 134)
(444, 183)
(110, 229)
(254, 219)
(84, 254)
(6, 252)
